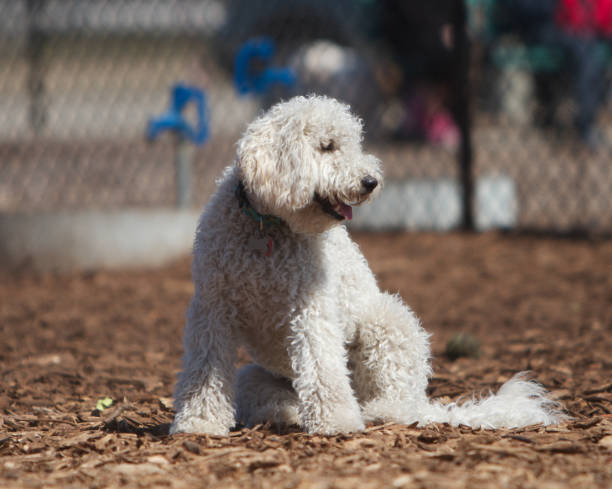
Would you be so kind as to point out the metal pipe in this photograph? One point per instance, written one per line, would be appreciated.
(183, 171)
(36, 76)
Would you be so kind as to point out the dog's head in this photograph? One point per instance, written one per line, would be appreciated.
(302, 161)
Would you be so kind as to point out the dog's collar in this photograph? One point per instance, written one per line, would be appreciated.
(247, 208)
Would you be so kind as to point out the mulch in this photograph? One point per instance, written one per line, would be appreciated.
(534, 303)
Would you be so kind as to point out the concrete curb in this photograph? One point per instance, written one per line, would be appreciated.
(84, 240)
(65, 241)
(435, 204)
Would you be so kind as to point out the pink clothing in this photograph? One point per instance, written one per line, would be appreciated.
(586, 17)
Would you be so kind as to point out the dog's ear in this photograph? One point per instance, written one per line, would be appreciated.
(276, 165)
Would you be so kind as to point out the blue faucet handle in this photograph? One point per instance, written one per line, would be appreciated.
(258, 81)
(173, 119)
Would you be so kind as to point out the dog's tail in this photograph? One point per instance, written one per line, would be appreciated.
(519, 402)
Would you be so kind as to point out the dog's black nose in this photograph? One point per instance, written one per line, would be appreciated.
(369, 183)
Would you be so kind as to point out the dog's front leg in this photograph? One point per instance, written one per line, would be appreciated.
(390, 361)
(204, 393)
(318, 359)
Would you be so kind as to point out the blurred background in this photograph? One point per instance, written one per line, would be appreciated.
(486, 113)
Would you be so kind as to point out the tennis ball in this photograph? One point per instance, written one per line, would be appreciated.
(462, 345)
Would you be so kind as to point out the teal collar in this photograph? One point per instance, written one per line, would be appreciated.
(247, 208)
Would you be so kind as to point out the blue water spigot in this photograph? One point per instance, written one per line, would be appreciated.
(173, 120)
(258, 80)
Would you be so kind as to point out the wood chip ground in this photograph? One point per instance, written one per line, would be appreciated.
(534, 303)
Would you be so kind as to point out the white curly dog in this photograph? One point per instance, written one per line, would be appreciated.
(276, 271)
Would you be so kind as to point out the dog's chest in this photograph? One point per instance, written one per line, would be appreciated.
(264, 325)
(273, 289)
(276, 293)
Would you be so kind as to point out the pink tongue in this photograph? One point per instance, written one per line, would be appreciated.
(345, 210)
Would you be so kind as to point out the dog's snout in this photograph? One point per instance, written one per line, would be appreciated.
(369, 183)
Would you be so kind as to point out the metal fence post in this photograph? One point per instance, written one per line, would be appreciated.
(461, 113)
(36, 79)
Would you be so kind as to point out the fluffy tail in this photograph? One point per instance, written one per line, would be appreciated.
(519, 402)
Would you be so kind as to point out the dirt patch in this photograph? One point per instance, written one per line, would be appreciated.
(533, 303)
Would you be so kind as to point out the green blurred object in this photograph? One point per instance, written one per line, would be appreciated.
(462, 345)
(104, 403)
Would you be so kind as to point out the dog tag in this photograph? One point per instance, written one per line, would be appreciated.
(261, 244)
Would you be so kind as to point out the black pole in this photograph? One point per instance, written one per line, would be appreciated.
(460, 108)
(35, 46)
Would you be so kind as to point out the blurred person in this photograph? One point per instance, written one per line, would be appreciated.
(421, 38)
(577, 27)
(584, 23)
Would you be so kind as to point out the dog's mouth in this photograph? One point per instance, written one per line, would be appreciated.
(338, 209)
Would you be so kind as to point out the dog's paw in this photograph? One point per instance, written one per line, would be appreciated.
(342, 425)
(387, 410)
(345, 425)
(341, 421)
(195, 424)
(280, 416)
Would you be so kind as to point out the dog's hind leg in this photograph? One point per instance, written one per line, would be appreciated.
(390, 363)
(389, 360)
(204, 393)
(265, 398)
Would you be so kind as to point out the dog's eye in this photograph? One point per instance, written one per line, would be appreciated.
(328, 145)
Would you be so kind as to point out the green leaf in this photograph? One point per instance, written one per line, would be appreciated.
(104, 403)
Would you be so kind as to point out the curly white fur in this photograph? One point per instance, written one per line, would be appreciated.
(333, 352)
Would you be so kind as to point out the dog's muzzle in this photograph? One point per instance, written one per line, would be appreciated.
(340, 210)
(369, 183)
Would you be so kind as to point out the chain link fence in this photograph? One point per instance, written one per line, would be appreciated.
(81, 80)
